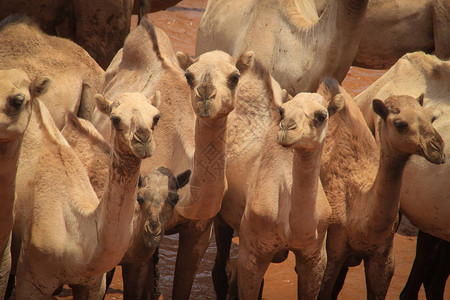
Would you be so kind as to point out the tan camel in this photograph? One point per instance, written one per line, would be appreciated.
(156, 199)
(287, 207)
(363, 183)
(425, 188)
(62, 232)
(288, 37)
(99, 26)
(393, 28)
(75, 75)
(190, 142)
(17, 93)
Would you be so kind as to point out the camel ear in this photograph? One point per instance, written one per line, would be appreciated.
(39, 86)
(183, 179)
(285, 96)
(336, 104)
(245, 61)
(184, 60)
(420, 99)
(103, 104)
(155, 100)
(380, 108)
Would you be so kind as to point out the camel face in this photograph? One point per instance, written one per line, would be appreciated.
(16, 91)
(303, 122)
(133, 118)
(408, 127)
(213, 78)
(157, 197)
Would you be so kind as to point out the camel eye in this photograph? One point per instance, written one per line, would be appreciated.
(190, 78)
(116, 121)
(400, 125)
(433, 119)
(16, 101)
(156, 119)
(233, 80)
(320, 116)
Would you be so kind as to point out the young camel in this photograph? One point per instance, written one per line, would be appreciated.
(17, 93)
(287, 207)
(190, 142)
(64, 233)
(363, 181)
(156, 199)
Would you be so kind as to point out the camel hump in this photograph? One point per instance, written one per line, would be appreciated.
(18, 19)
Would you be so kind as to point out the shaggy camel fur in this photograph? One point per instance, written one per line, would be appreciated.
(99, 26)
(156, 198)
(62, 232)
(363, 182)
(297, 46)
(17, 93)
(425, 187)
(290, 212)
(135, 68)
(76, 77)
(393, 28)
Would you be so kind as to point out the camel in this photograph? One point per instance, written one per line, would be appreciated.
(62, 232)
(75, 75)
(297, 46)
(393, 28)
(18, 93)
(99, 26)
(287, 207)
(192, 130)
(156, 199)
(424, 185)
(362, 182)
(431, 268)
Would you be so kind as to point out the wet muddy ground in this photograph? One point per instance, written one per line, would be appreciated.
(181, 23)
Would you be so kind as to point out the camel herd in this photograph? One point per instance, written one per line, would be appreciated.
(255, 136)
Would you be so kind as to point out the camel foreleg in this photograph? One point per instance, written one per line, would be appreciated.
(193, 241)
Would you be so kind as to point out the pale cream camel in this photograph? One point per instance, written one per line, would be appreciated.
(393, 28)
(156, 199)
(17, 93)
(146, 64)
(297, 46)
(362, 183)
(425, 187)
(62, 232)
(75, 75)
(287, 207)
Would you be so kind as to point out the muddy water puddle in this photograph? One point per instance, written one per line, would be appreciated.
(181, 23)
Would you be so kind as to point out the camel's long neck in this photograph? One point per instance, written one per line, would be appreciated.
(116, 209)
(9, 155)
(305, 185)
(385, 194)
(207, 183)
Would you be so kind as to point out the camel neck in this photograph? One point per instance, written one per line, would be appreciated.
(207, 183)
(305, 183)
(116, 209)
(9, 155)
(386, 193)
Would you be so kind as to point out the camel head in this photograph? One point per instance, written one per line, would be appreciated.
(213, 78)
(16, 94)
(406, 127)
(157, 197)
(304, 121)
(133, 117)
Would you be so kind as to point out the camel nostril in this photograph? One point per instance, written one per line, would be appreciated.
(16, 101)
(143, 134)
(206, 91)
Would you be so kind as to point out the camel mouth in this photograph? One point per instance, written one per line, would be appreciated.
(433, 152)
(141, 149)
